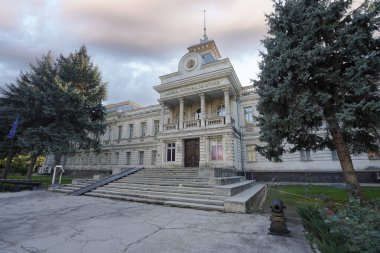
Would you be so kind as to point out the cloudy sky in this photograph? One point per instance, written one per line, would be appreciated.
(132, 41)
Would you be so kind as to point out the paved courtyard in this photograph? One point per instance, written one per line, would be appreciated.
(41, 221)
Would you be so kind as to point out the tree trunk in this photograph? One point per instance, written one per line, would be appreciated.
(57, 159)
(344, 156)
(8, 163)
(33, 161)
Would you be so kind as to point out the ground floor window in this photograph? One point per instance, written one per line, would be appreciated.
(128, 158)
(117, 158)
(170, 152)
(251, 153)
(216, 147)
(305, 155)
(154, 157)
(141, 157)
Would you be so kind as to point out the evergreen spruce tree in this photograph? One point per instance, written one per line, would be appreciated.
(86, 114)
(319, 81)
(59, 114)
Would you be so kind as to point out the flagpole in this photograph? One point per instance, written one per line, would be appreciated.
(10, 135)
(9, 160)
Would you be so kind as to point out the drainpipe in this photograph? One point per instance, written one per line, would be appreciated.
(240, 136)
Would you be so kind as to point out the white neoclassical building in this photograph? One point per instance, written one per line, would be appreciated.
(204, 119)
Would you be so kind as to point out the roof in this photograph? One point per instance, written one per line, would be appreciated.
(122, 106)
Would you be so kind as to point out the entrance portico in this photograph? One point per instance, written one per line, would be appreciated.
(198, 110)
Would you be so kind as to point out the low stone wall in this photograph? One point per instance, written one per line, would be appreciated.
(85, 173)
(309, 177)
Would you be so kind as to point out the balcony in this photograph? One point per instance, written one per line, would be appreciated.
(196, 124)
(192, 124)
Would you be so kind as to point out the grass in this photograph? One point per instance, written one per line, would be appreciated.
(44, 179)
(295, 196)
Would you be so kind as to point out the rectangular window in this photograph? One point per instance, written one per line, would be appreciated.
(117, 158)
(119, 132)
(109, 133)
(216, 150)
(251, 153)
(128, 158)
(334, 155)
(248, 114)
(305, 155)
(170, 152)
(143, 129)
(88, 159)
(130, 130)
(141, 157)
(106, 158)
(156, 127)
(154, 157)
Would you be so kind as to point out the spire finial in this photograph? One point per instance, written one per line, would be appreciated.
(204, 26)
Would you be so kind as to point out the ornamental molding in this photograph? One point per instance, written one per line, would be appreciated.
(195, 88)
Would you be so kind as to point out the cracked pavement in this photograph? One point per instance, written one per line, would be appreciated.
(41, 221)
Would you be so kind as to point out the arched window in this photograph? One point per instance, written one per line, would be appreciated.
(220, 111)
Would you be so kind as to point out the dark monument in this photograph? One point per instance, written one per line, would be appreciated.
(278, 226)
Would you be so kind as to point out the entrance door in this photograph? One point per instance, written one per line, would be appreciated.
(192, 153)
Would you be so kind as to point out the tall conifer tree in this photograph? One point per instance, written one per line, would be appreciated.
(60, 105)
(319, 81)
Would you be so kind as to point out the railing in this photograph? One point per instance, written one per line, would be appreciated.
(215, 121)
(209, 122)
(172, 126)
(191, 124)
(247, 90)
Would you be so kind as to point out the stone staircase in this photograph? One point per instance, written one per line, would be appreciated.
(75, 185)
(175, 187)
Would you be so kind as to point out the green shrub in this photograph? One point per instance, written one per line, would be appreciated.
(319, 231)
(353, 228)
(21, 163)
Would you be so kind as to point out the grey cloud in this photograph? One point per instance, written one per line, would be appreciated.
(119, 33)
(153, 27)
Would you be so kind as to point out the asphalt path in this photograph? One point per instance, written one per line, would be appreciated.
(42, 221)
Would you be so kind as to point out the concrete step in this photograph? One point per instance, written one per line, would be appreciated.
(176, 189)
(162, 202)
(167, 182)
(226, 180)
(241, 202)
(173, 169)
(233, 189)
(63, 190)
(161, 193)
(195, 206)
(158, 197)
(79, 185)
(165, 176)
(164, 179)
(70, 187)
(83, 180)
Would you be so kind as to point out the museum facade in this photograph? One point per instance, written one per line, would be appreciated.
(205, 119)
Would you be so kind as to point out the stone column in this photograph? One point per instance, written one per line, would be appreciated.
(162, 119)
(181, 102)
(203, 109)
(227, 108)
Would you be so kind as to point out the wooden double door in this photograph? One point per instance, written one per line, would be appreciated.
(192, 153)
